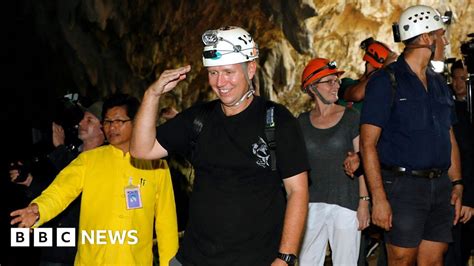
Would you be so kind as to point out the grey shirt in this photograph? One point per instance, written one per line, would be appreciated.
(327, 149)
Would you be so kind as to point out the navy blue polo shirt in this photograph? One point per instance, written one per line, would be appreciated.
(415, 122)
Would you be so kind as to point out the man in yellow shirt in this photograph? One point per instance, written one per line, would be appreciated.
(120, 196)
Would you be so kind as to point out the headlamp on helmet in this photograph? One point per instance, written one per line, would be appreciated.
(210, 37)
(329, 65)
(317, 69)
(228, 45)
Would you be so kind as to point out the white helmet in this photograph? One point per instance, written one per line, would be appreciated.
(228, 45)
(416, 20)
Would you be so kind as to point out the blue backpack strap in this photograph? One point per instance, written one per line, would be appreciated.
(270, 133)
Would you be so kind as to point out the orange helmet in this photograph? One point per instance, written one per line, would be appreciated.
(375, 52)
(318, 68)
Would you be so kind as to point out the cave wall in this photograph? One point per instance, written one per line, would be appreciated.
(123, 45)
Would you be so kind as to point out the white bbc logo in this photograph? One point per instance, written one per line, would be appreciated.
(43, 237)
(66, 237)
(20, 237)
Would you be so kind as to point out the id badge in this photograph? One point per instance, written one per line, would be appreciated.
(133, 196)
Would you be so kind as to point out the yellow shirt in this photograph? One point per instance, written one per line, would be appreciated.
(102, 175)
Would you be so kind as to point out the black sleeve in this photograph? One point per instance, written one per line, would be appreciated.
(176, 134)
(292, 158)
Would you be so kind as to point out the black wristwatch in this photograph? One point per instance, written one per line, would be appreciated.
(457, 182)
(290, 259)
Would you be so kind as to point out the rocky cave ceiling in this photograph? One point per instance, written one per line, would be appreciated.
(123, 45)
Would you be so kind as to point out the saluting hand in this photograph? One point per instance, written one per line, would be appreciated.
(168, 80)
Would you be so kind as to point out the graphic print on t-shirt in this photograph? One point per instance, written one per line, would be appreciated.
(260, 149)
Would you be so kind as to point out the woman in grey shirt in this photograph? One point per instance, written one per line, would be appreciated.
(339, 207)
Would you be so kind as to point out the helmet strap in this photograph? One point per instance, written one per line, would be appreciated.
(247, 95)
(315, 90)
(417, 46)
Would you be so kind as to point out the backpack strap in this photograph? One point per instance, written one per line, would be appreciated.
(198, 124)
(393, 82)
(270, 133)
(204, 112)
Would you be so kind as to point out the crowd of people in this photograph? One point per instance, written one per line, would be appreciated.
(386, 158)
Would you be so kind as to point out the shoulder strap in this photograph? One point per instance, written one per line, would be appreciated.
(270, 132)
(206, 109)
(198, 123)
(393, 82)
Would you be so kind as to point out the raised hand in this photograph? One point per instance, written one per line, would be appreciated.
(168, 80)
(58, 135)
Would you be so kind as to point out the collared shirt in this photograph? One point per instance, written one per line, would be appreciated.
(415, 122)
(101, 175)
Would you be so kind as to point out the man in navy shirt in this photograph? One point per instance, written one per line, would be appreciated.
(410, 154)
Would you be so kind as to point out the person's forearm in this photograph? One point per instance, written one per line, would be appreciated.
(144, 128)
(373, 174)
(363, 191)
(51, 203)
(454, 171)
(295, 220)
(166, 225)
(356, 92)
(372, 171)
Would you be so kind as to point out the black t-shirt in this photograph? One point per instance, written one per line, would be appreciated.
(237, 204)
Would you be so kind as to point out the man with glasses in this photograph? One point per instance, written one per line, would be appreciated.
(338, 204)
(410, 154)
(239, 213)
(120, 194)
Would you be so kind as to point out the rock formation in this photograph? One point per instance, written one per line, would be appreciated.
(123, 45)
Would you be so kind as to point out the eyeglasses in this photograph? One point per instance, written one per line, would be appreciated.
(330, 65)
(116, 122)
(330, 82)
